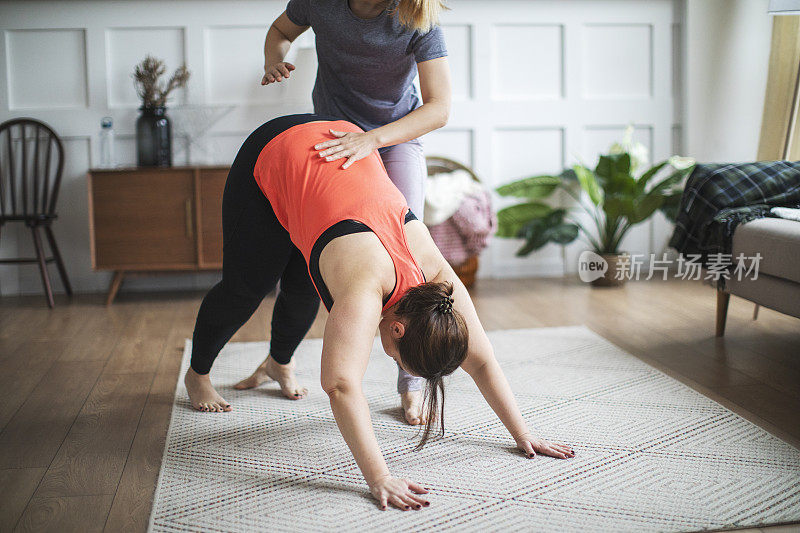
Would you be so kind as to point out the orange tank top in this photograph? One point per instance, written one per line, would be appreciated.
(309, 195)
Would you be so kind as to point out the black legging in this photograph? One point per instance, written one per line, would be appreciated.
(257, 252)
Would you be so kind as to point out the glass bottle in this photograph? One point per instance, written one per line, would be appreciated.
(107, 143)
(153, 138)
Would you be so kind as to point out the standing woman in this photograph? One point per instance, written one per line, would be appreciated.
(369, 52)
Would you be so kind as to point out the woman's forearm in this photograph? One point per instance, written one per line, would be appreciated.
(495, 388)
(276, 46)
(351, 412)
(429, 116)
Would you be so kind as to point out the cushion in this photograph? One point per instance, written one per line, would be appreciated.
(778, 242)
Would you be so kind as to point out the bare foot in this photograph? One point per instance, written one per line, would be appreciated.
(202, 394)
(283, 374)
(412, 407)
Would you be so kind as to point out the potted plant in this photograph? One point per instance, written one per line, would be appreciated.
(618, 199)
(153, 132)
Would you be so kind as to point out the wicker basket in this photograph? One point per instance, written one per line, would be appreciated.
(467, 270)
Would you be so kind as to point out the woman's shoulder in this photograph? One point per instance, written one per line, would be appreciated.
(422, 247)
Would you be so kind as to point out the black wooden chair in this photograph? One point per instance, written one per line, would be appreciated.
(31, 164)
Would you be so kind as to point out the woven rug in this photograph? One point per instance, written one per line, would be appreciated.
(651, 453)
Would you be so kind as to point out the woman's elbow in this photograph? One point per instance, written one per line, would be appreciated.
(443, 115)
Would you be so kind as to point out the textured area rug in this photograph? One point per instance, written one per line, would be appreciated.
(651, 453)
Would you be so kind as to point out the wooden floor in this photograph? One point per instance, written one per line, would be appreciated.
(88, 390)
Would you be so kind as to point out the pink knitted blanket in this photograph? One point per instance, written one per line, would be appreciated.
(468, 231)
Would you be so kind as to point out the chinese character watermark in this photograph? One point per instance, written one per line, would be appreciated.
(592, 266)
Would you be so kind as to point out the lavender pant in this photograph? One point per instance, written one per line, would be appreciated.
(405, 164)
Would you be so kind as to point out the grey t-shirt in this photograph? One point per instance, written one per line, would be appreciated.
(366, 66)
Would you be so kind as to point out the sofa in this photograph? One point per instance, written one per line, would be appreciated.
(727, 209)
(777, 284)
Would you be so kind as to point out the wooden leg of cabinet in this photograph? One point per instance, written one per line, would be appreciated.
(114, 288)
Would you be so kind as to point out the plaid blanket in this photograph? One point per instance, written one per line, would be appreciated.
(719, 197)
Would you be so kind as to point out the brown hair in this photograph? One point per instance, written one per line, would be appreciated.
(419, 15)
(434, 343)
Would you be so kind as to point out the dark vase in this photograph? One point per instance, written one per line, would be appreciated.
(153, 138)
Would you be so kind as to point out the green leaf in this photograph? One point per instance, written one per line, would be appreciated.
(644, 208)
(633, 210)
(588, 182)
(614, 174)
(670, 181)
(642, 182)
(539, 232)
(535, 233)
(535, 242)
(510, 220)
(612, 164)
(534, 187)
(555, 217)
(564, 233)
(618, 206)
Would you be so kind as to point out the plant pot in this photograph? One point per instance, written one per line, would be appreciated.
(616, 262)
(153, 138)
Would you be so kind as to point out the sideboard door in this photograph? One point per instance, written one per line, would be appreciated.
(144, 219)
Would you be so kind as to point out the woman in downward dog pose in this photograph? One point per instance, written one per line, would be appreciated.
(289, 214)
(369, 52)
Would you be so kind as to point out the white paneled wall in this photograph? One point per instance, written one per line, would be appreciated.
(536, 85)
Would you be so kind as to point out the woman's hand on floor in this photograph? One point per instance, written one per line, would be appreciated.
(276, 72)
(353, 145)
(402, 493)
(532, 445)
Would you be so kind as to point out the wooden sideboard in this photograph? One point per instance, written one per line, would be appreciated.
(149, 220)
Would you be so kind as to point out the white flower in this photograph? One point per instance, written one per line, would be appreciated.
(681, 163)
(637, 151)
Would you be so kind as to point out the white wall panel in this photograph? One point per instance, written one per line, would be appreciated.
(598, 139)
(523, 152)
(528, 61)
(459, 49)
(234, 59)
(46, 69)
(222, 148)
(677, 140)
(451, 143)
(617, 61)
(126, 47)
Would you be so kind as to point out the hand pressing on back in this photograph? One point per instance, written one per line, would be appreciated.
(352, 145)
(277, 72)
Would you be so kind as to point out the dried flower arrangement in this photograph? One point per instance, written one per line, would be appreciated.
(146, 79)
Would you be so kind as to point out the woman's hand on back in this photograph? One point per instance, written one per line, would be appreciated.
(532, 445)
(276, 72)
(353, 145)
(402, 493)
